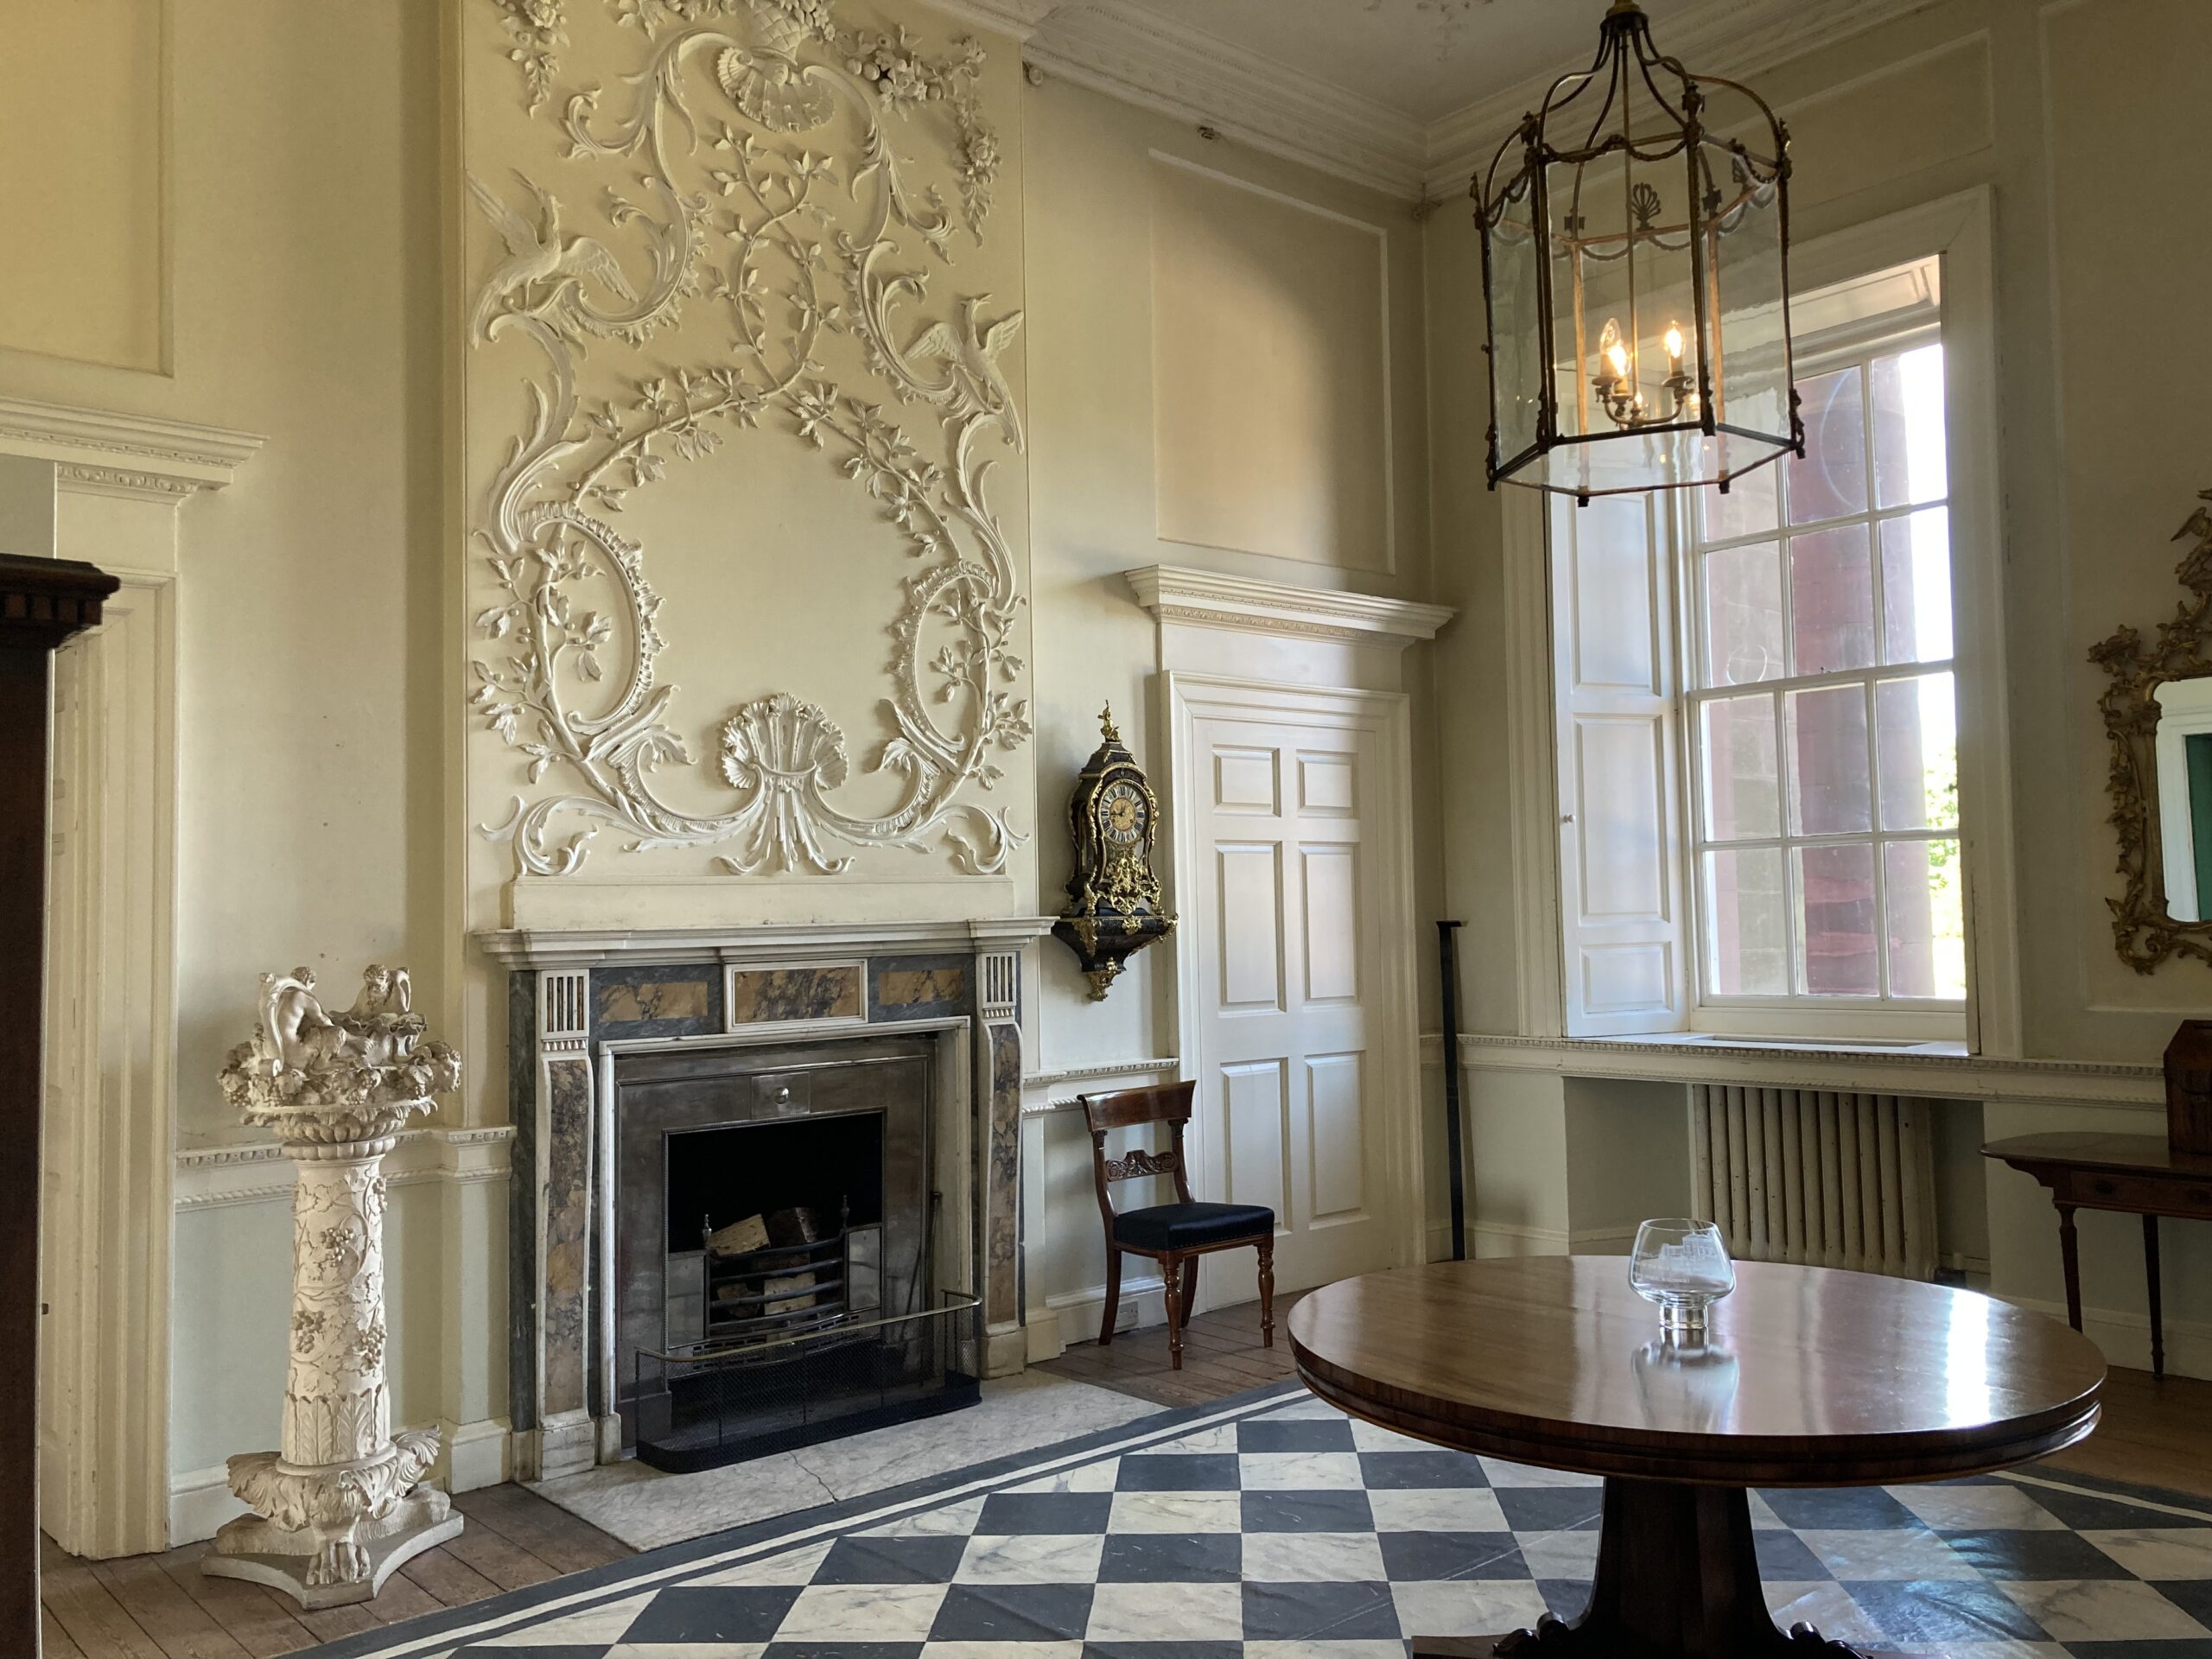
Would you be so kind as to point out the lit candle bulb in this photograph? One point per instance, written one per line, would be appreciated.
(1614, 352)
(1673, 349)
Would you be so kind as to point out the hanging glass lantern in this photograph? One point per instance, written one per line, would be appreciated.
(1635, 260)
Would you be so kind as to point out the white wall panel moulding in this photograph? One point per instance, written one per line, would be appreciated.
(256, 1171)
(101, 451)
(1204, 599)
(1876, 1071)
(1150, 59)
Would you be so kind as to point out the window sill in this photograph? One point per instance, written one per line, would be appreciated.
(1951, 1047)
(1938, 1070)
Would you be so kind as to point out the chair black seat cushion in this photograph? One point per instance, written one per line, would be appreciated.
(1191, 1226)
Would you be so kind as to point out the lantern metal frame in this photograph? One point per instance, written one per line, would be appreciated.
(1625, 49)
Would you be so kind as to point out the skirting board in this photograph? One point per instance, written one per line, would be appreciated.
(200, 1502)
(1509, 1238)
(476, 1455)
(1078, 1311)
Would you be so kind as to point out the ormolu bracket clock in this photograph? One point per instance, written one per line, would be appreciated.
(1113, 896)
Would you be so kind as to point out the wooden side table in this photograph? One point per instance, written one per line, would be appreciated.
(2134, 1174)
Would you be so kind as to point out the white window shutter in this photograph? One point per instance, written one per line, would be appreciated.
(1622, 886)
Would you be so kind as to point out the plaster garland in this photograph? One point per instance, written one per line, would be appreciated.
(342, 1504)
(773, 190)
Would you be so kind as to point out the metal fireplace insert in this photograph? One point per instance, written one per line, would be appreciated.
(776, 1237)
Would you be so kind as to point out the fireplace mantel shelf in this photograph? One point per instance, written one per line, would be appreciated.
(776, 941)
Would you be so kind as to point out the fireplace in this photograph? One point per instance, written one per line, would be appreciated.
(649, 1071)
(775, 1248)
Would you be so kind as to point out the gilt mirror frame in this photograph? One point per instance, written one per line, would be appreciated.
(2143, 933)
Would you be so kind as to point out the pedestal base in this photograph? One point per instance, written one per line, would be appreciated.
(264, 1553)
(1676, 1579)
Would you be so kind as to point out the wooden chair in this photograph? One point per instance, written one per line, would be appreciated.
(1174, 1235)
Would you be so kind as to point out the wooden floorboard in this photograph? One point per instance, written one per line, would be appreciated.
(550, 1533)
(2153, 1434)
(179, 1626)
(89, 1613)
(164, 1607)
(256, 1619)
(55, 1642)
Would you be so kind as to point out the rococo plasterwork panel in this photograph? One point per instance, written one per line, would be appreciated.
(754, 238)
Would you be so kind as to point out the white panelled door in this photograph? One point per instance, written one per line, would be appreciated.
(1280, 888)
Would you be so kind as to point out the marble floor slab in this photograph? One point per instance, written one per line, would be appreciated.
(646, 1508)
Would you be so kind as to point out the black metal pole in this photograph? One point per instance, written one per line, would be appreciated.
(1447, 962)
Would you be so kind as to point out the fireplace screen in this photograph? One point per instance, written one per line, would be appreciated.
(777, 1235)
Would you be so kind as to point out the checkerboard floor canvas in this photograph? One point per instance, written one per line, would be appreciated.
(1273, 1526)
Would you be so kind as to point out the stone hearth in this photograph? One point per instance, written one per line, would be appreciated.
(579, 1002)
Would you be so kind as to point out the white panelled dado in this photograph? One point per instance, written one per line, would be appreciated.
(1297, 972)
(1619, 747)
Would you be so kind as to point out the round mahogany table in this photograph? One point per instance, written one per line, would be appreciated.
(1807, 1377)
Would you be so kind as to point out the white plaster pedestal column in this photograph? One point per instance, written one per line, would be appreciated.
(342, 1504)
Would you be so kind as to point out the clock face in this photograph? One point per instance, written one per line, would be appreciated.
(1123, 814)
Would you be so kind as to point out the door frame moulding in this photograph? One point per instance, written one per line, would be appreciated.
(118, 481)
(1207, 598)
(1385, 715)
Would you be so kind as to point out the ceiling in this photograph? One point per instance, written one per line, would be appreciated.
(1406, 96)
(1423, 58)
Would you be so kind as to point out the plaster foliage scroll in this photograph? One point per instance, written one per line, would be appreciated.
(751, 166)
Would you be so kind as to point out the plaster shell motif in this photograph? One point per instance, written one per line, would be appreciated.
(773, 192)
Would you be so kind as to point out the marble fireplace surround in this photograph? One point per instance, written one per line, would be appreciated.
(579, 999)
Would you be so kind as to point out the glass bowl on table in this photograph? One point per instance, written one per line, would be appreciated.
(1682, 1265)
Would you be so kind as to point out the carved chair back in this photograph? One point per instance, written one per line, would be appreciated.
(1166, 1102)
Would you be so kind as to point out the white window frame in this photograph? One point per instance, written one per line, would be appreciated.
(1882, 1015)
(1958, 230)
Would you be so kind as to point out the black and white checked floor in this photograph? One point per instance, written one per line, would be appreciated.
(1272, 1526)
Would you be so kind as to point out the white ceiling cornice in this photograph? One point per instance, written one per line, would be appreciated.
(1143, 57)
(1735, 39)
(1018, 18)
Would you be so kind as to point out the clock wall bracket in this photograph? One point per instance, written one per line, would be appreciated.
(1112, 908)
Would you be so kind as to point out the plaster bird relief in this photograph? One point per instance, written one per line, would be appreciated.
(542, 268)
(765, 137)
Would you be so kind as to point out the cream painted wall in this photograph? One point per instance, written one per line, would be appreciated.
(82, 272)
(303, 280)
(2077, 116)
(1105, 182)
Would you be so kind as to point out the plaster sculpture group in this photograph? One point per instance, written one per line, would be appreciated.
(751, 180)
(341, 1505)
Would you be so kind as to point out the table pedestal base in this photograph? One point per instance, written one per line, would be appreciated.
(1676, 1579)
